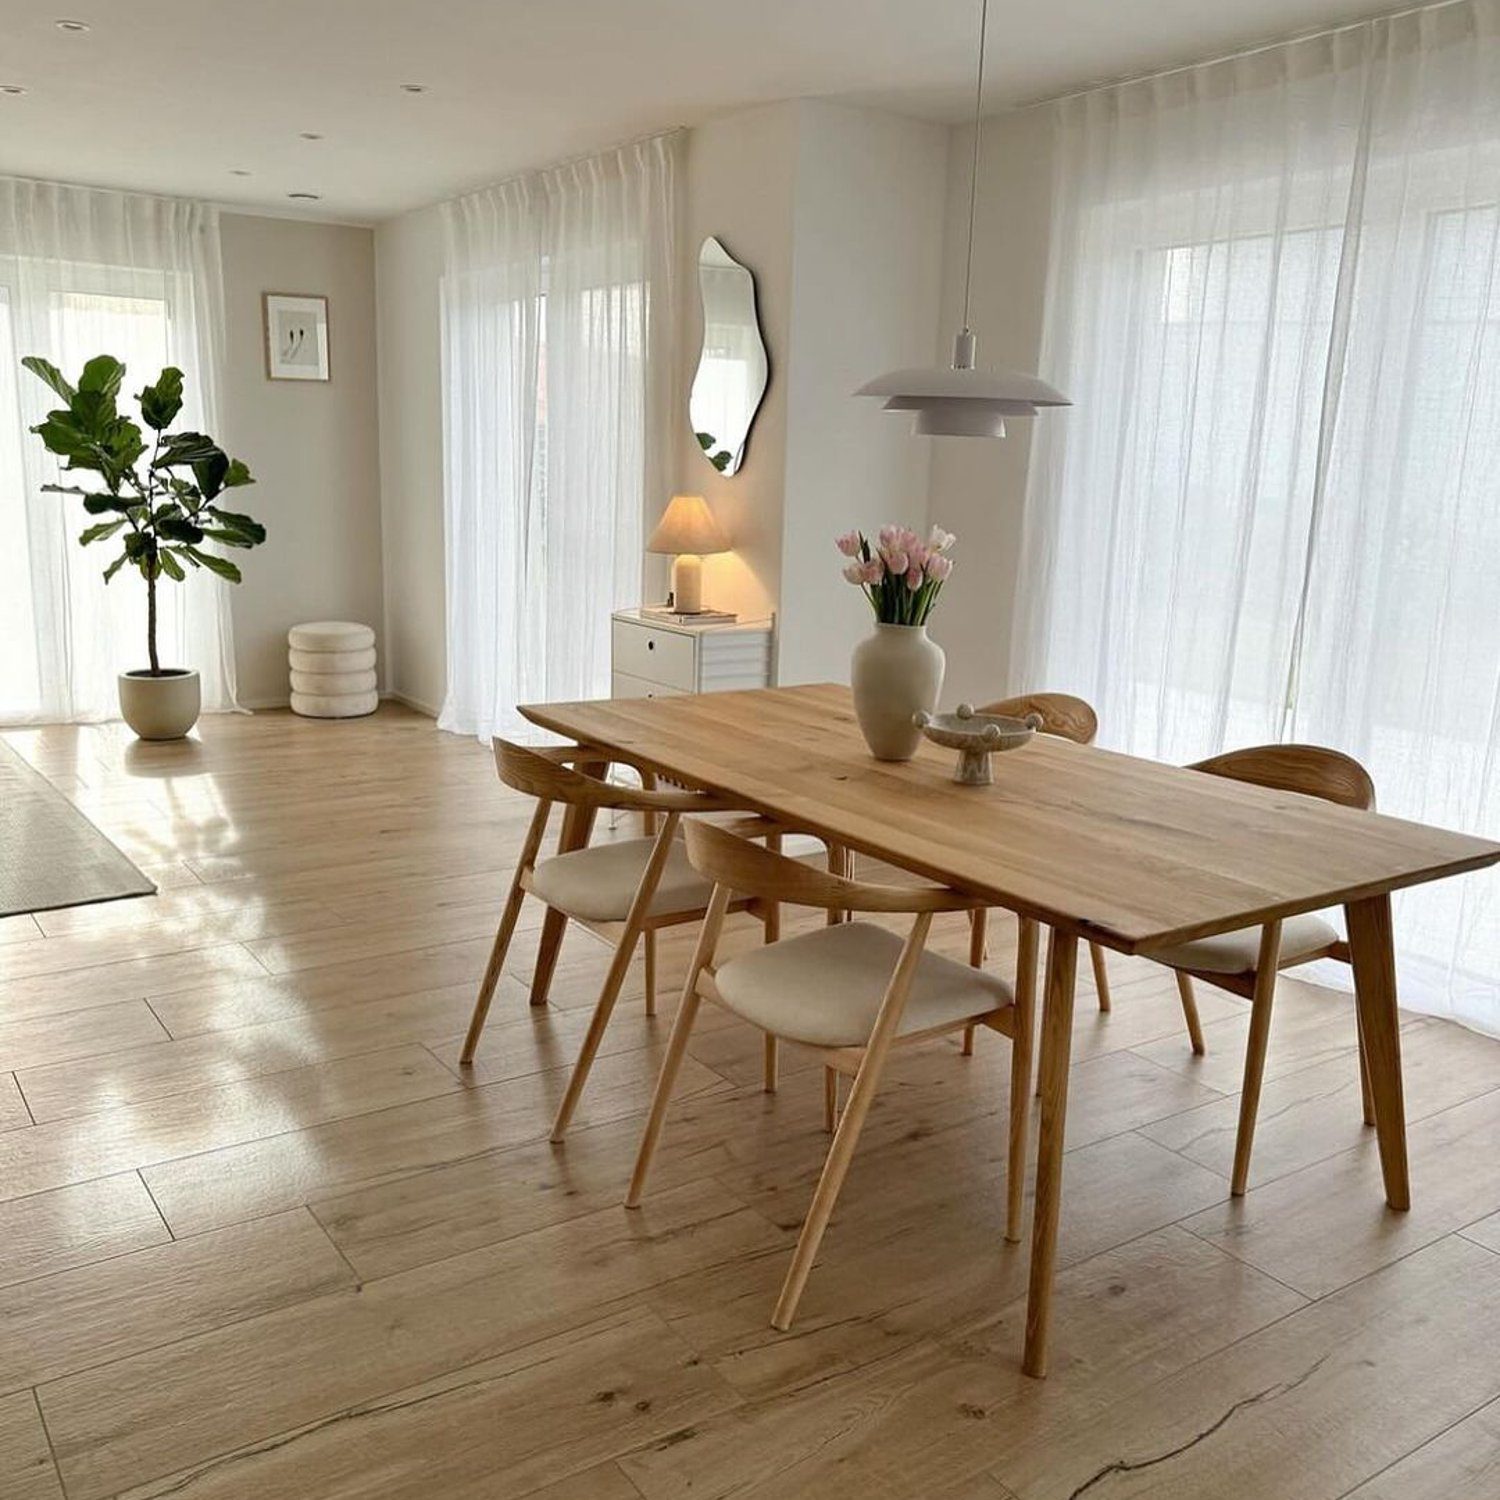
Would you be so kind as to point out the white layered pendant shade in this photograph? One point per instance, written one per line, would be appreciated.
(960, 400)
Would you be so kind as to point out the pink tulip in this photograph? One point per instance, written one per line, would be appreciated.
(896, 560)
(889, 536)
(848, 544)
(939, 567)
(914, 578)
(855, 572)
(874, 571)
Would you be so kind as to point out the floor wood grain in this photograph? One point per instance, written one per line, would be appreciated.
(260, 1235)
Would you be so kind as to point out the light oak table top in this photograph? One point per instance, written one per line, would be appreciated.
(1128, 852)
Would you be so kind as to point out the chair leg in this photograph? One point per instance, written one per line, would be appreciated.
(770, 1065)
(615, 978)
(1366, 1093)
(772, 917)
(515, 898)
(1255, 1052)
(838, 864)
(682, 1029)
(577, 823)
(648, 945)
(1190, 1013)
(1101, 976)
(866, 1081)
(830, 1099)
(1020, 1078)
(978, 920)
(1036, 1035)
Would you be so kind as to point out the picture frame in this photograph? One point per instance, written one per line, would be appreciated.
(295, 328)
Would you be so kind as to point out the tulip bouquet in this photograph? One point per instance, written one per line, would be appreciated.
(901, 575)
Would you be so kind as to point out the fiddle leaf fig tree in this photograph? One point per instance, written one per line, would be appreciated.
(162, 495)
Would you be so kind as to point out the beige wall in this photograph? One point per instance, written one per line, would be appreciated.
(976, 486)
(867, 274)
(408, 279)
(311, 446)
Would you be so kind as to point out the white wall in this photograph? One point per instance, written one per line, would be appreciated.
(977, 486)
(867, 274)
(408, 276)
(311, 446)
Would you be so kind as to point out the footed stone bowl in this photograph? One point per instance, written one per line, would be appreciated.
(976, 737)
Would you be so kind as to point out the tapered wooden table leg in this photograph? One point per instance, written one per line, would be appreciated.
(1057, 1038)
(1373, 954)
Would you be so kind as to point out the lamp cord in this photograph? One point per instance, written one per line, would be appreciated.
(984, 17)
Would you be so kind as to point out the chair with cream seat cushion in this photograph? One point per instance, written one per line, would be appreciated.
(599, 883)
(1246, 963)
(624, 892)
(852, 991)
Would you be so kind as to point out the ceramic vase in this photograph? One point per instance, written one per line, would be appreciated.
(896, 673)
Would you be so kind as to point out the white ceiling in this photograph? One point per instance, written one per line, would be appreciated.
(171, 97)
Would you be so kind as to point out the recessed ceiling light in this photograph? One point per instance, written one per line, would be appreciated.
(312, 135)
(11, 88)
(413, 88)
(73, 26)
(311, 197)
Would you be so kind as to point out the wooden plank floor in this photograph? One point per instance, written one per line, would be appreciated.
(260, 1238)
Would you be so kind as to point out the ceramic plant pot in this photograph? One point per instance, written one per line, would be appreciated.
(160, 708)
(896, 674)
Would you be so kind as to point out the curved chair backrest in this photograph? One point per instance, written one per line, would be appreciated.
(729, 860)
(544, 773)
(1310, 769)
(1062, 714)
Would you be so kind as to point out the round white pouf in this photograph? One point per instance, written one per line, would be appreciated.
(335, 706)
(332, 666)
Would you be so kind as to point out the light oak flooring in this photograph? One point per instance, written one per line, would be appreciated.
(259, 1237)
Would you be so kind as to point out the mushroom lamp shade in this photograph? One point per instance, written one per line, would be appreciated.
(962, 401)
(687, 532)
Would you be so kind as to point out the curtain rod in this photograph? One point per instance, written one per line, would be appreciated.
(1253, 50)
(567, 161)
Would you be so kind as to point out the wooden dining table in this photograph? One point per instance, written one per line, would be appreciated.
(1109, 848)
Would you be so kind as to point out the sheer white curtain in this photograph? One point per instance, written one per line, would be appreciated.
(1274, 513)
(85, 272)
(557, 367)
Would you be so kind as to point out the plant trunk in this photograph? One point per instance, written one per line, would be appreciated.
(151, 624)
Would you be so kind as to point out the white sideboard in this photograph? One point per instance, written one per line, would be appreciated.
(654, 659)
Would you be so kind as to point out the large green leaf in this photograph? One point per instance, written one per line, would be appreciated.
(237, 475)
(220, 565)
(161, 402)
(61, 435)
(250, 530)
(102, 376)
(210, 472)
(45, 370)
(99, 532)
(185, 448)
(179, 529)
(116, 565)
(169, 565)
(99, 504)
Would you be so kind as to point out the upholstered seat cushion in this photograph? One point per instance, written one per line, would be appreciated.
(330, 635)
(1236, 952)
(825, 987)
(335, 705)
(600, 882)
(331, 661)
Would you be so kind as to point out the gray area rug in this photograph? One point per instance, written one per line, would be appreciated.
(50, 854)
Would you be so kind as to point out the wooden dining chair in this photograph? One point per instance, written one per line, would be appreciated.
(1070, 718)
(1246, 963)
(624, 891)
(851, 992)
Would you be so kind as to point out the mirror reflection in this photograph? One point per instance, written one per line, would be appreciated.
(732, 368)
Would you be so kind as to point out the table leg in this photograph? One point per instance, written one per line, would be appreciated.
(1373, 955)
(1057, 1048)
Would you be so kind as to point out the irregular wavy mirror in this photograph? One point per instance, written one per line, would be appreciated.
(732, 368)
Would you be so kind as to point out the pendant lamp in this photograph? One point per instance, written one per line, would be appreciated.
(962, 401)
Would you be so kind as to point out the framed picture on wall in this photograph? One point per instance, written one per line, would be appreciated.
(296, 330)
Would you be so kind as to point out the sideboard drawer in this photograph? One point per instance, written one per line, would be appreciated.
(664, 656)
(623, 685)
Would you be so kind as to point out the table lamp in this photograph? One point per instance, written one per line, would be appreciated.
(687, 531)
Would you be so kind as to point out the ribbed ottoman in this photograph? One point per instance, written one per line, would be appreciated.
(333, 669)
